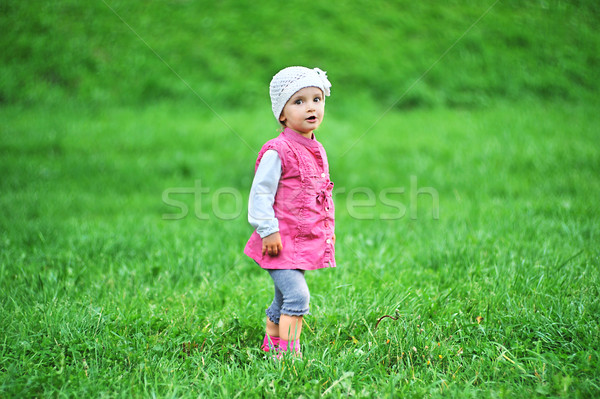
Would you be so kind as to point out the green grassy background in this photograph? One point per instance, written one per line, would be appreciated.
(103, 295)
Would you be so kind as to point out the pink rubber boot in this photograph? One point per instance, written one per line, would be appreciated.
(270, 343)
(289, 346)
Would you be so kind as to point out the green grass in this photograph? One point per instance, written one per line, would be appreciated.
(463, 142)
(103, 51)
(103, 296)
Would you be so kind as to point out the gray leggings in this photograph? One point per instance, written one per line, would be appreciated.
(291, 294)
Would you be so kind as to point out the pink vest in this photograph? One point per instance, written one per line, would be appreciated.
(303, 206)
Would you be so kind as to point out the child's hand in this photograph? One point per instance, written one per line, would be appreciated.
(271, 244)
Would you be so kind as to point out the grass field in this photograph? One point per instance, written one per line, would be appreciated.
(104, 295)
(466, 204)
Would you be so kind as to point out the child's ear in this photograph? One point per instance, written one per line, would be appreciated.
(282, 120)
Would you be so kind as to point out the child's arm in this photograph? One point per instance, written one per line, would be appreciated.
(260, 205)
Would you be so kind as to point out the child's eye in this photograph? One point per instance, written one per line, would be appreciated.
(317, 99)
(298, 102)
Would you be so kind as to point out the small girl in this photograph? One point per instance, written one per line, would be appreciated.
(290, 205)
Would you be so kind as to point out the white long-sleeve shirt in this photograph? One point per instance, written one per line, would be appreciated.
(262, 194)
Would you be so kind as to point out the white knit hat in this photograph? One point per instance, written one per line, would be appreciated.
(291, 79)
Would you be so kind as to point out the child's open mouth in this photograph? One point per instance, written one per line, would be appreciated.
(311, 118)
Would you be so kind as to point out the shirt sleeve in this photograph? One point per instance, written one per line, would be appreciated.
(262, 194)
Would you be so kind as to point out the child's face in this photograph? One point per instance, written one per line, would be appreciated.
(304, 111)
